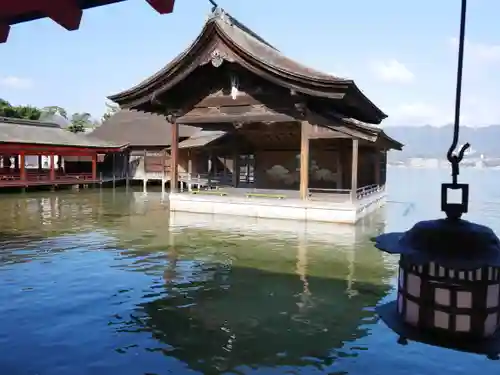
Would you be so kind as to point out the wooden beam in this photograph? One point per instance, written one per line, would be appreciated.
(241, 118)
(174, 157)
(304, 160)
(162, 6)
(66, 13)
(4, 32)
(354, 169)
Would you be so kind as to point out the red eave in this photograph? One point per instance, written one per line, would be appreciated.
(65, 150)
(67, 13)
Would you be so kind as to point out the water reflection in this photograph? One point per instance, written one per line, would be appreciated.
(142, 294)
(259, 302)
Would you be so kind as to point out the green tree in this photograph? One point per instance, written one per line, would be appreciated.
(55, 110)
(26, 112)
(111, 109)
(79, 122)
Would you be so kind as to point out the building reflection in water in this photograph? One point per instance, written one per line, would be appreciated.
(233, 294)
(224, 310)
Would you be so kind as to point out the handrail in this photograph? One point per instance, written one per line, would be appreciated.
(361, 192)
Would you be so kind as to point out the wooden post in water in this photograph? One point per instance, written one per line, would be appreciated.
(174, 157)
(190, 170)
(209, 168)
(22, 165)
(354, 169)
(114, 179)
(236, 166)
(304, 160)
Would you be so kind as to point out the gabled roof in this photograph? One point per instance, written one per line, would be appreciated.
(47, 134)
(252, 52)
(140, 129)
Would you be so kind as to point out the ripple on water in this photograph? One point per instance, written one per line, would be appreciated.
(101, 284)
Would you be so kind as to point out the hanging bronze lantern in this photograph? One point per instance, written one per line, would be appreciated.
(449, 269)
(448, 285)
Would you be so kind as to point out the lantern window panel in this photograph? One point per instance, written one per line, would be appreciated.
(442, 296)
(493, 295)
(432, 269)
(464, 299)
(491, 324)
(479, 273)
(441, 319)
(442, 271)
(413, 285)
(462, 323)
(412, 312)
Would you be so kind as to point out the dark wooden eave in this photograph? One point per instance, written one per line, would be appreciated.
(67, 13)
(237, 43)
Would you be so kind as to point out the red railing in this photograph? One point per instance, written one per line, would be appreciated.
(44, 178)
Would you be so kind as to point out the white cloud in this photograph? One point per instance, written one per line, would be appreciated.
(479, 51)
(475, 111)
(392, 71)
(418, 113)
(17, 83)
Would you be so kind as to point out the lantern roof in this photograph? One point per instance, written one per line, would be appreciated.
(457, 244)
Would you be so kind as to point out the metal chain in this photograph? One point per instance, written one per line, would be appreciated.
(455, 159)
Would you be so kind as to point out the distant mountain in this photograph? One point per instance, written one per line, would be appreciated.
(433, 142)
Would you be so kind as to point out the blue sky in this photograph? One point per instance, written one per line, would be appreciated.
(401, 53)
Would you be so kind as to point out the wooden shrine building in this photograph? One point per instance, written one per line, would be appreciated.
(23, 139)
(306, 136)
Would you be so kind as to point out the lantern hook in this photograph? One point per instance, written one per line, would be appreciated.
(455, 210)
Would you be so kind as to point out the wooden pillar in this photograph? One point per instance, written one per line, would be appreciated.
(304, 160)
(224, 170)
(174, 161)
(210, 168)
(22, 164)
(94, 167)
(113, 169)
(190, 163)
(376, 168)
(52, 168)
(354, 168)
(236, 166)
(247, 161)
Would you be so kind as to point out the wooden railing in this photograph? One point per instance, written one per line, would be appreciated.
(368, 190)
(43, 178)
(361, 192)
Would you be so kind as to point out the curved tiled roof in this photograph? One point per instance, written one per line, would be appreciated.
(48, 134)
(250, 49)
(140, 129)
